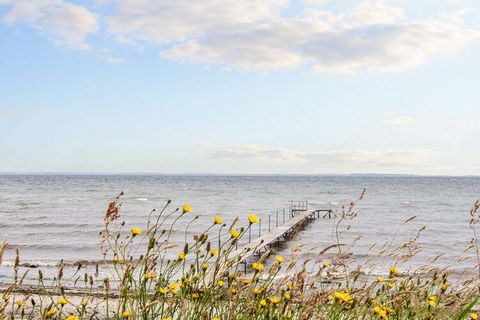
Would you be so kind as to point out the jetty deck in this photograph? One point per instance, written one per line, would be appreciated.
(298, 217)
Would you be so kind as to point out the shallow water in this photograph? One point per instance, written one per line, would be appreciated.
(53, 217)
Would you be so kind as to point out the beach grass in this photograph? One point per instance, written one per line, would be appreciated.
(203, 279)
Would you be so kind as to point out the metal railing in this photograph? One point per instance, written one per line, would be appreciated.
(297, 206)
(279, 217)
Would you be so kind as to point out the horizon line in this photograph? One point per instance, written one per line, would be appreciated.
(75, 173)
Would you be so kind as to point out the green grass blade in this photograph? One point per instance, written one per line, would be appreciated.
(462, 315)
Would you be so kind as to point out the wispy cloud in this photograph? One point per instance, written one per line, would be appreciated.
(67, 23)
(467, 124)
(112, 60)
(21, 112)
(324, 161)
(398, 121)
(372, 36)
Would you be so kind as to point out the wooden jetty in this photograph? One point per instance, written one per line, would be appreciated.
(280, 227)
(299, 215)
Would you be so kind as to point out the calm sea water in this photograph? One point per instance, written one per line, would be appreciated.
(53, 217)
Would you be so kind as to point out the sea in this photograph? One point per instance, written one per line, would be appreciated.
(51, 217)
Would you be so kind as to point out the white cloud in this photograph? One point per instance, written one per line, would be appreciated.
(105, 54)
(467, 124)
(164, 21)
(373, 36)
(69, 24)
(388, 48)
(398, 121)
(327, 161)
(21, 112)
(375, 12)
(115, 60)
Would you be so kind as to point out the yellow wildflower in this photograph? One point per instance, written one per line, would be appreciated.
(379, 279)
(62, 301)
(84, 303)
(389, 284)
(72, 317)
(257, 266)
(173, 285)
(21, 303)
(263, 303)
(286, 295)
(5, 297)
(136, 231)
(126, 314)
(181, 256)
(432, 300)
(382, 312)
(217, 220)
(279, 259)
(221, 283)
(214, 252)
(195, 295)
(163, 290)
(444, 287)
(326, 264)
(150, 276)
(167, 318)
(51, 312)
(330, 297)
(275, 300)
(393, 272)
(115, 259)
(246, 281)
(185, 281)
(232, 276)
(234, 233)
(253, 218)
(204, 266)
(474, 316)
(233, 290)
(343, 296)
(187, 208)
(257, 290)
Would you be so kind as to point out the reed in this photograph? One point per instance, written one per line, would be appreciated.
(203, 279)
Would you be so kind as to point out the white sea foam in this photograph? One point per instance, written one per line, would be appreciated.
(46, 230)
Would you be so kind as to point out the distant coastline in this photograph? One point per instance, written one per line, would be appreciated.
(186, 174)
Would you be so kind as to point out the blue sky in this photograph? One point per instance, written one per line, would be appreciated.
(274, 86)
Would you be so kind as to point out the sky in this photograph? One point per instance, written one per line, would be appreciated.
(248, 87)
